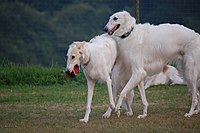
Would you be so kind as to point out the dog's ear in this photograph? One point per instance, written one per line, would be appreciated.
(81, 52)
(128, 17)
(74, 44)
(81, 45)
(133, 20)
(84, 42)
(125, 13)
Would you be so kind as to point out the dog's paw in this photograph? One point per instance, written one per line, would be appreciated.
(112, 106)
(129, 113)
(117, 108)
(83, 120)
(196, 111)
(142, 116)
(106, 115)
(118, 113)
(188, 115)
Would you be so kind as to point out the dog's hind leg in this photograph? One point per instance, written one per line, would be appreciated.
(194, 103)
(198, 95)
(198, 105)
(135, 79)
(191, 77)
(91, 84)
(144, 100)
(129, 101)
(180, 67)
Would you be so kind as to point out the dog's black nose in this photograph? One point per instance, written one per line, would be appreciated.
(105, 29)
(70, 74)
(67, 71)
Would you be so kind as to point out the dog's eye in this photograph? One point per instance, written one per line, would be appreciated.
(115, 18)
(73, 56)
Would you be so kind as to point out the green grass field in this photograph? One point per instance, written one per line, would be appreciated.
(57, 107)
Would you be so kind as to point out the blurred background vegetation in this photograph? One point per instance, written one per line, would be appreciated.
(39, 31)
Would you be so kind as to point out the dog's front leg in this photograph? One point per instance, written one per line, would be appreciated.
(144, 100)
(115, 87)
(90, 83)
(129, 100)
(110, 93)
(135, 79)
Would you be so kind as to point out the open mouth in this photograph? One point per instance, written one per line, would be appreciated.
(75, 71)
(113, 29)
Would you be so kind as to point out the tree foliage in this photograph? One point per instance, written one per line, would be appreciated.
(39, 31)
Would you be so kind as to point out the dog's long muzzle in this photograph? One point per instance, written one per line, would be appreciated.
(73, 73)
(70, 74)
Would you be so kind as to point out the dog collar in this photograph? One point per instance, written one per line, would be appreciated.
(127, 33)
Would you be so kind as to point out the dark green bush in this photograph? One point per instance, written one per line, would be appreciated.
(12, 74)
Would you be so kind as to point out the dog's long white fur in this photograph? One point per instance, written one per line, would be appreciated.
(97, 58)
(149, 47)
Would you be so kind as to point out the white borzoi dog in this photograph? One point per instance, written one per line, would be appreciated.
(146, 48)
(169, 75)
(97, 58)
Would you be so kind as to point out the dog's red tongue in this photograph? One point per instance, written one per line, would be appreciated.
(73, 73)
(76, 69)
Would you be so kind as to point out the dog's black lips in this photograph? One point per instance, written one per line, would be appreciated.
(70, 74)
(114, 29)
(73, 73)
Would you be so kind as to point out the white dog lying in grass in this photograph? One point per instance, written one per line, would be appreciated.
(146, 48)
(97, 58)
(169, 75)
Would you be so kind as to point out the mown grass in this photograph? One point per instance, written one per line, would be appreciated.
(46, 106)
(58, 108)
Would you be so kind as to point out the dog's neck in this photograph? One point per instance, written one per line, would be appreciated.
(127, 33)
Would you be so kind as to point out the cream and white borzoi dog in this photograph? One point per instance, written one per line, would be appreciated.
(97, 58)
(146, 48)
(169, 75)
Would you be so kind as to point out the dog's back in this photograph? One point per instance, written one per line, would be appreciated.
(103, 52)
(103, 49)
